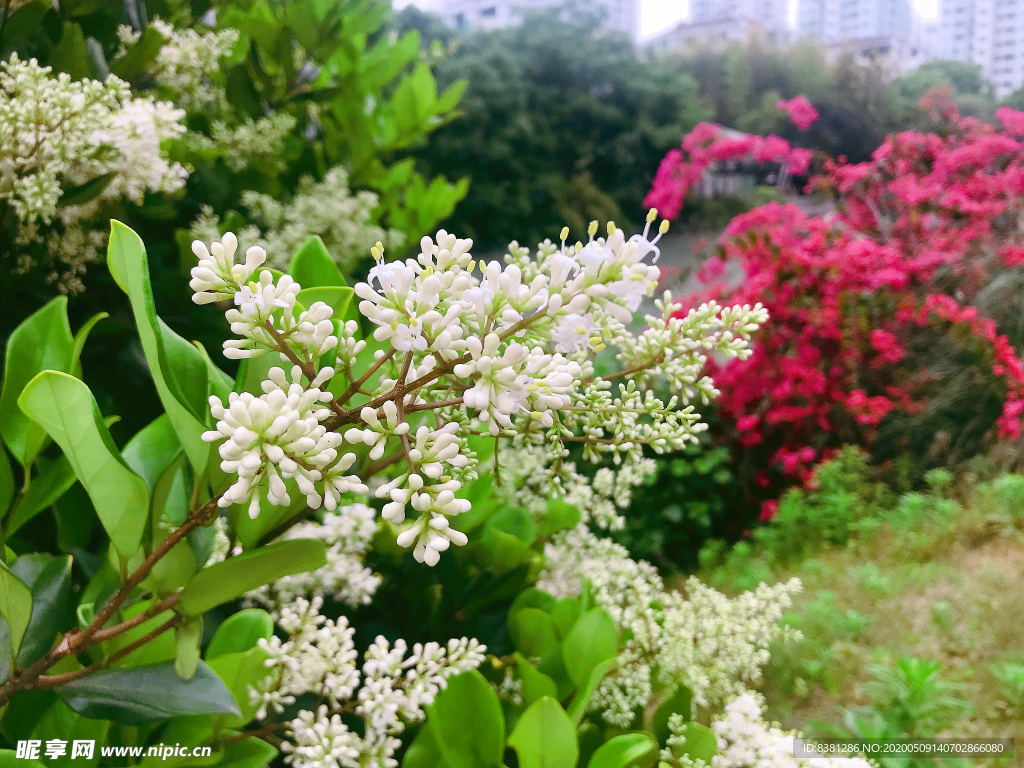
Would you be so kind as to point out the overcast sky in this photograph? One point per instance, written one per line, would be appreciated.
(656, 15)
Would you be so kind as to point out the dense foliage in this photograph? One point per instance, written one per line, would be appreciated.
(560, 126)
(879, 336)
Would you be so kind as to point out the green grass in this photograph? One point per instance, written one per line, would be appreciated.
(922, 578)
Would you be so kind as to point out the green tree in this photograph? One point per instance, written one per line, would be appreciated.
(560, 126)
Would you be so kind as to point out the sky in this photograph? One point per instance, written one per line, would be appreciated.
(656, 15)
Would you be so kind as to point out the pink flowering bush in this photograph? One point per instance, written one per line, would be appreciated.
(888, 316)
(800, 111)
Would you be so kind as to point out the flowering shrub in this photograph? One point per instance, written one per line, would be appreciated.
(877, 337)
(461, 355)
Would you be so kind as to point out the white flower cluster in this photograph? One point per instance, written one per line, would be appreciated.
(327, 208)
(392, 688)
(469, 352)
(344, 579)
(529, 479)
(713, 644)
(56, 133)
(746, 741)
(183, 65)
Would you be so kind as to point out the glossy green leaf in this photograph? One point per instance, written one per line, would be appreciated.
(248, 753)
(42, 342)
(533, 632)
(82, 336)
(335, 296)
(533, 598)
(9, 759)
(239, 671)
(66, 409)
(559, 516)
(187, 637)
(91, 189)
(468, 723)
(53, 481)
(536, 684)
(592, 640)
(139, 55)
(581, 699)
(313, 267)
(545, 737)
(515, 522)
(701, 742)
(239, 632)
(625, 751)
(152, 450)
(126, 258)
(49, 579)
(6, 482)
(565, 613)
(143, 694)
(235, 576)
(61, 722)
(680, 702)
(15, 607)
(424, 752)
(70, 56)
(159, 649)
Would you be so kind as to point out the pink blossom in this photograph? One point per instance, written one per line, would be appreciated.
(800, 111)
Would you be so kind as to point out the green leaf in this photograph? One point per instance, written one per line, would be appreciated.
(152, 451)
(515, 522)
(313, 267)
(126, 258)
(42, 342)
(536, 684)
(335, 296)
(9, 759)
(701, 742)
(580, 701)
(239, 632)
(159, 649)
(681, 703)
(533, 632)
(81, 336)
(592, 640)
(545, 737)
(187, 637)
(143, 694)
(140, 55)
(70, 54)
(49, 579)
(533, 598)
(565, 614)
(98, 67)
(88, 191)
(239, 671)
(624, 751)
(248, 753)
(235, 576)
(468, 723)
(15, 606)
(60, 722)
(560, 516)
(52, 482)
(6, 482)
(424, 752)
(66, 409)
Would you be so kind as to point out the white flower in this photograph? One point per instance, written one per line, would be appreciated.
(573, 333)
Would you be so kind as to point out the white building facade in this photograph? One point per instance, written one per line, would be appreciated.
(989, 33)
(835, 21)
(714, 23)
(620, 15)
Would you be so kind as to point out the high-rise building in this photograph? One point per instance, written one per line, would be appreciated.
(621, 15)
(989, 33)
(835, 21)
(718, 22)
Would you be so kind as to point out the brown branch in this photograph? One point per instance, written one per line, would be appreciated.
(52, 681)
(105, 634)
(307, 369)
(75, 641)
(356, 386)
(381, 464)
(432, 406)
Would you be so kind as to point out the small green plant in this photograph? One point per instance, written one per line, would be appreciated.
(913, 699)
(1010, 675)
